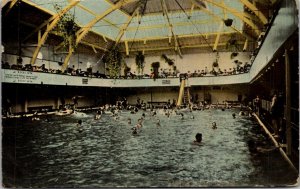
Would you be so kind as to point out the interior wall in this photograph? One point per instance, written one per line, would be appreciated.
(218, 94)
(191, 62)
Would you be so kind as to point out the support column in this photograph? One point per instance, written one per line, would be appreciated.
(26, 105)
(56, 103)
(288, 104)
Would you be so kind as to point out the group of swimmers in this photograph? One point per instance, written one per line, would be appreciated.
(114, 111)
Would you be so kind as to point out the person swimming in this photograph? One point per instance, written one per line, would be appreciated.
(198, 138)
(153, 113)
(78, 125)
(233, 115)
(192, 117)
(129, 121)
(182, 116)
(242, 113)
(158, 123)
(134, 131)
(35, 117)
(98, 115)
(139, 124)
(214, 125)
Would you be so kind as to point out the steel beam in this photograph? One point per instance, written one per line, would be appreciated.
(93, 45)
(218, 37)
(245, 45)
(192, 9)
(125, 26)
(165, 9)
(67, 59)
(4, 2)
(255, 10)
(126, 48)
(11, 5)
(174, 24)
(182, 36)
(221, 19)
(93, 13)
(182, 47)
(112, 4)
(50, 27)
(237, 14)
(83, 31)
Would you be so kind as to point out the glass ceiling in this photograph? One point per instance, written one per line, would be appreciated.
(154, 25)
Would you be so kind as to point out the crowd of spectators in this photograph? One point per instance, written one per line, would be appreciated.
(163, 73)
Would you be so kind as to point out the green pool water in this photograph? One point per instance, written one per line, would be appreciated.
(106, 154)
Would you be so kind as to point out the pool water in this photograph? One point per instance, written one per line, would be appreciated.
(106, 154)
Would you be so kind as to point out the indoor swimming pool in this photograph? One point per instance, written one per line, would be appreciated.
(53, 153)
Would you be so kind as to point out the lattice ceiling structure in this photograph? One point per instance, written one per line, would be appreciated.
(151, 26)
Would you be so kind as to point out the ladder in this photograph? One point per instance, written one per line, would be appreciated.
(184, 93)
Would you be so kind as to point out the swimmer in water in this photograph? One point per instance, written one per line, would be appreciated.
(98, 115)
(233, 115)
(158, 123)
(78, 125)
(129, 121)
(198, 138)
(192, 117)
(35, 118)
(139, 124)
(167, 114)
(153, 113)
(214, 125)
(134, 131)
(182, 116)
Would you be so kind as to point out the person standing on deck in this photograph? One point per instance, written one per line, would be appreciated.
(274, 112)
(257, 105)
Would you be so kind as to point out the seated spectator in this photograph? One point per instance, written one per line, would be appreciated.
(241, 70)
(195, 74)
(43, 68)
(97, 74)
(73, 73)
(234, 71)
(17, 66)
(5, 65)
(205, 70)
(28, 67)
(162, 74)
(152, 75)
(89, 71)
(69, 70)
